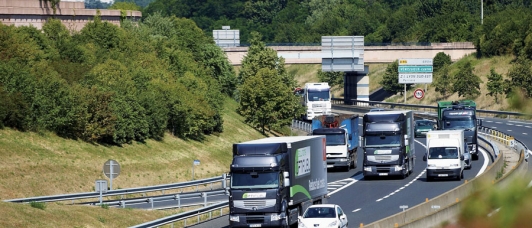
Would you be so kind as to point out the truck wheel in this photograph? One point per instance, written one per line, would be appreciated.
(355, 164)
(429, 179)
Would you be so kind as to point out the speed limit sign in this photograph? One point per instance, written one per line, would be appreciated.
(419, 93)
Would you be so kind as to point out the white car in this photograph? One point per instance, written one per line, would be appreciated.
(323, 215)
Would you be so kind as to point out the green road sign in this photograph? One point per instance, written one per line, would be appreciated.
(415, 69)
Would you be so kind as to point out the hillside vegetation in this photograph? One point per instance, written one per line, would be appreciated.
(44, 164)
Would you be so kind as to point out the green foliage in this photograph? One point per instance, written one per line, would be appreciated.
(140, 3)
(108, 84)
(519, 75)
(38, 205)
(443, 81)
(333, 78)
(495, 84)
(466, 83)
(125, 6)
(441, 59)
(266, 98)
(390, 80)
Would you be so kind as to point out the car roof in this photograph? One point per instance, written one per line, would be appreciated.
(323, 205)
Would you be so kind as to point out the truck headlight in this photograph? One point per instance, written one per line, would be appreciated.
(368, 169)
(234, 218)
(455, 165)
(343, 159)
(398, 168)
(300, 224)
(431, 165)
(332, 224)
(275, 217)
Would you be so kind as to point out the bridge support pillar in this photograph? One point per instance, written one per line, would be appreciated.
(356, 86)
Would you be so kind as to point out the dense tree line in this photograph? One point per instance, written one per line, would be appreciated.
(114, 84)
(380, 21)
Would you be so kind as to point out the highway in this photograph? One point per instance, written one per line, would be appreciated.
(366, 201)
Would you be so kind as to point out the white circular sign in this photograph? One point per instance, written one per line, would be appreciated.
(419, 93)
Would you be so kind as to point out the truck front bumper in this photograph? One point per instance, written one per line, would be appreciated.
(383, 171)
(337, 162)
(443, 173)
(254, 221)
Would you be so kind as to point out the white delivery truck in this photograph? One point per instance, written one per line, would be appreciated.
(445, 154)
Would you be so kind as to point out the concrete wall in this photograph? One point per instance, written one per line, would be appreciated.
(72, 14)
(372, 54)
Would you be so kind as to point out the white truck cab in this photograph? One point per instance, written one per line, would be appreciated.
(445, 154)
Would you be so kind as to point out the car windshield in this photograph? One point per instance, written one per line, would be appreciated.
(335, 140)
(319, 96)
(424, 123)
(320, 212)
(458, 124)
(255, 180)
(383, 140)
(443, 153)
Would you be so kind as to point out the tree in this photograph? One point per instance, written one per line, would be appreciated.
(440, 60)
(333, 78)
(495, 84)
(466, 83)
(390, 80)
(520, 77)
(266, 89)
(443, 81)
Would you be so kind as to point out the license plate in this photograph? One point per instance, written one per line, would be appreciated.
(383, 174)
(442, 175)
(255, 225)
(330, 166)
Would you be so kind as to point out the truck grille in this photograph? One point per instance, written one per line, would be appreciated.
(255, 219)
(383, 158)
(254, 204)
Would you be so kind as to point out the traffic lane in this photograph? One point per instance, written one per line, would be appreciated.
(369, 201)
(520, 130)
(364, 193)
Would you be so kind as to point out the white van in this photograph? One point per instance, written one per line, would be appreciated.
(445, 154)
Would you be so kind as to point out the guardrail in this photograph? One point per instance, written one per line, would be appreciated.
(366, 105)
(183, 216)
(86, 195)
(302, 126)
(155, 199)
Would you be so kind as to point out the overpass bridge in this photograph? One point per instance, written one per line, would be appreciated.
(372, 54)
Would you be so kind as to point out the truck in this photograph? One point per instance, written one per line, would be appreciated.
(316, 99)
(388, 144)
(456, 115)
(341, 133)
(445, 154)
(273, 180)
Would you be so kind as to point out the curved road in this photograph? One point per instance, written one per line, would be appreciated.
(368, 201)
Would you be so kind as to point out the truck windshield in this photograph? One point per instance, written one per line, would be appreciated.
(318, 96)
(383, 140)
(443, 153)
(452, 123)
(335, 140)
(260, 180)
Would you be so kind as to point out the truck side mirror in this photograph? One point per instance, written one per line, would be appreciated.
(360, 143)
(479, 122)
(425, 157)
(462, 157)
(286, 176)
(350, 137)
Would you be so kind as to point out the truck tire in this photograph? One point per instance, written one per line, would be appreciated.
(429, 179)
(355, 163)
(348, 167)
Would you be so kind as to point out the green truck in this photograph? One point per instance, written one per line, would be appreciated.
(458, 115)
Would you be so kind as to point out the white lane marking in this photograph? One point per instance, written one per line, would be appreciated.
(335, 185)
(519, 125)
(352, 181)
(510, 124)
(486, 161)
(357, 210)
(489, 121)
(519, 122)
(401, 188)
(528, 126)
(524, 133)
(409, 183)
(498, 122)
(493, 127)
(509, 130)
